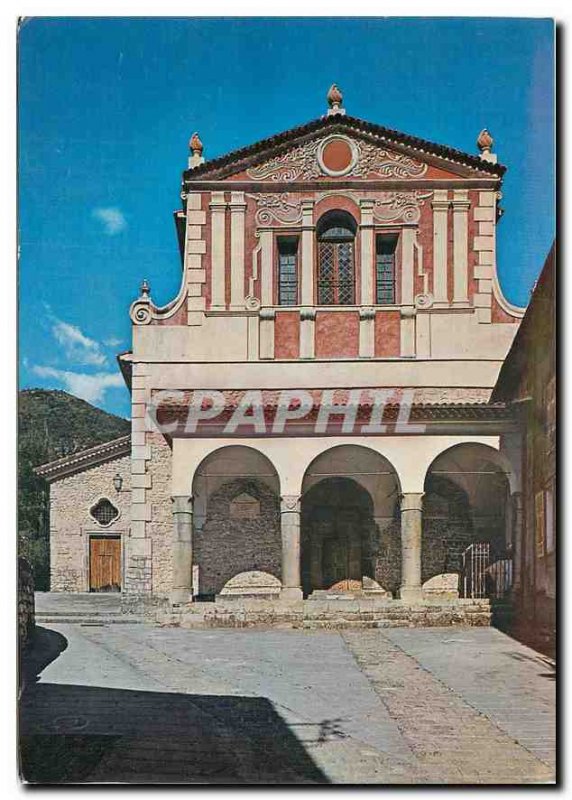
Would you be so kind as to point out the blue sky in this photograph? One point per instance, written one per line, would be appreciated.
(107, 106)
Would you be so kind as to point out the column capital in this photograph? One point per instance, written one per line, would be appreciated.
(367, 312)
(411, 501)
(182, 504)
(290, 503)
(307, 312)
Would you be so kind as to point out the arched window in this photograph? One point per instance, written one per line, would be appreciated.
(336, 272)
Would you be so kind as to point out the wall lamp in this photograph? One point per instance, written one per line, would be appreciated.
(118, 482)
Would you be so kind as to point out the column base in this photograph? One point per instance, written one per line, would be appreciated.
(180, 596)
(411, 594)
(291, 595)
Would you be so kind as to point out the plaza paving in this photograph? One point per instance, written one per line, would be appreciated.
(141, 703)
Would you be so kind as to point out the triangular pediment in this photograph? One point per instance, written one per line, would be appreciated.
(343, 148)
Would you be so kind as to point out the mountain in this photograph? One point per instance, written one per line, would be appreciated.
(51, 424)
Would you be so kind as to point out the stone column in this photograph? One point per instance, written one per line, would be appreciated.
(182, 549)
(290, 527)
(411, 526)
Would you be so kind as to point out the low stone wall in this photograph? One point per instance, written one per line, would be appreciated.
(328, 613)
(26, 615)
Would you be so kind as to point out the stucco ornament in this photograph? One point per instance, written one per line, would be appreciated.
(424, 300)
(387, 163)
(392, 206)
(300, 162)
(277, 208)
(252, 303)
(140, 311)
(303, 163)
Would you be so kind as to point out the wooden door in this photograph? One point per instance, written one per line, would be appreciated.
(342, 553)
(105, 564)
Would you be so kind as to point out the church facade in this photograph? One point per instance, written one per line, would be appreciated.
(310, 414)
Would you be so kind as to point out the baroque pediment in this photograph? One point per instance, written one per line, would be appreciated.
(337, 156)
(342, 148)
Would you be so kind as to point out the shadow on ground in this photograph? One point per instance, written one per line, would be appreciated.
(75, 734)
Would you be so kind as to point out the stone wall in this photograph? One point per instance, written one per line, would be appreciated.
(71, 523)
(388, 553)
(229, 543)
(160, 528)
(450, 525)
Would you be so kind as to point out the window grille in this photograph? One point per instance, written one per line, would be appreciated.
(104, 512)
(287, 272)
(385, 270)
(336, 273)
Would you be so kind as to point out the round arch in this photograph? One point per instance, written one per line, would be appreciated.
(467, 454)
(236, 517)
(350, 521)
(466, 506)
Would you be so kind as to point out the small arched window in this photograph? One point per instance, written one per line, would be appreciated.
(336, 272)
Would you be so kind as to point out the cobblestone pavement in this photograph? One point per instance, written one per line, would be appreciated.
(138, 703)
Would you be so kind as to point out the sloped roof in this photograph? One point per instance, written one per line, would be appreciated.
(244, 156)
(84, 459)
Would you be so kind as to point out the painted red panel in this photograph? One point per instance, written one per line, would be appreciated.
(425, 239)
(287, 334)
(387, 334)
(337, 334)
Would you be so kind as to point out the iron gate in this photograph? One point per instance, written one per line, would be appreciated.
(481, 578)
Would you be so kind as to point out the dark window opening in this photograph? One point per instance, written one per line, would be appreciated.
(385, 270)
(288, 272)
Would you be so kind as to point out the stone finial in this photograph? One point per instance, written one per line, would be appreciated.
(335, 99)
(145, 290)
(485, 144)
(196, 148)
(196, 145)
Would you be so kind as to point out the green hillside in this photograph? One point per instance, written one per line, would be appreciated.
(51, 424)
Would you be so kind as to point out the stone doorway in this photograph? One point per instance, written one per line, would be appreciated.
(337, 518)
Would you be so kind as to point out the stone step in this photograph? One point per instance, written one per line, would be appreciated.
(76, 618)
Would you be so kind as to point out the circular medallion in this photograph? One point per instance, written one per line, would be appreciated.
(337, 155)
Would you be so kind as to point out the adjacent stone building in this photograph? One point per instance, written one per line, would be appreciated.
(528, 382)
(310, 414)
